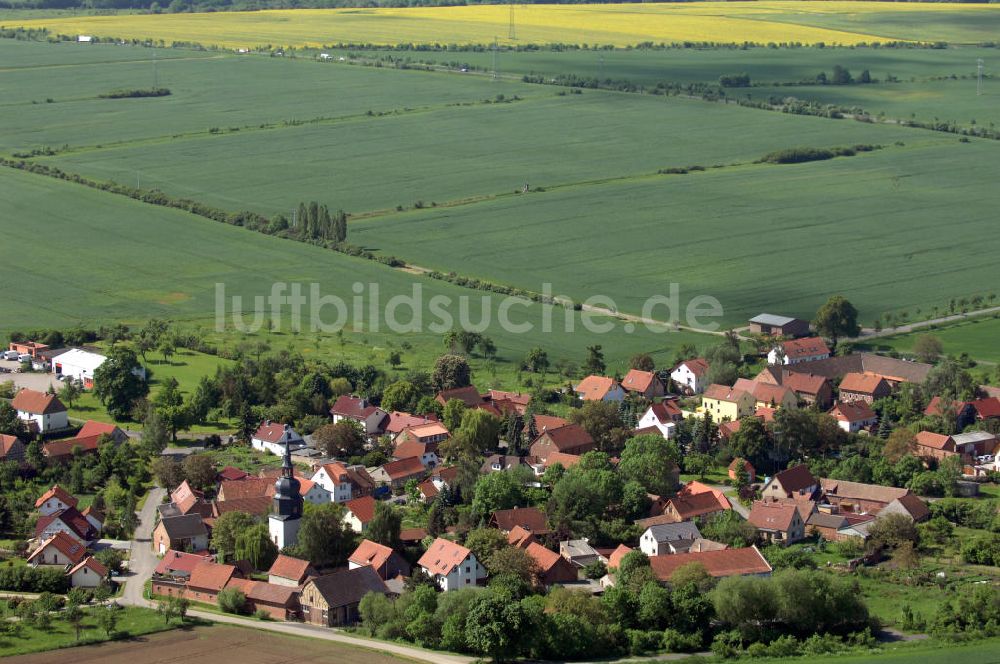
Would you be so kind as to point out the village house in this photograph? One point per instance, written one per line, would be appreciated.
(727, 403)
(371, 419)
(854, 416)
(766, 395)
(358, 513)
(778, 326)
(501, 463)
(55, 500)
(421, 441)
(396, 474)
(795, 482)
(552, 568)
(289, 571)
(962, 411)
(507, 402)
(859, 498)
(88, 573)
(174, 570)
(662, 416)
(777, 522)
(42, 412)
(271, 437)
(186, 532)
(92, 428)
(863, 387)
(568, 439)
(60, 549)
(207, 580)
(936, 446)
(387, 563)
(530, 519)
(599, 388)
(810, 389)
(398, 421)
(11, 449)
(644, 383)
(689, 375)
(344, 482)
(95, 517)
(684, 507)
(279, 602)
(451, 565)
(332, 600)
(668, 538)
(68, 521)
(893, 370)
(986, 409)
(580, 553)
(797, 351)
(718, 563)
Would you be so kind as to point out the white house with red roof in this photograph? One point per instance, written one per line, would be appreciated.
(853, 416)
(451, 565)
(93, 428)
(88, 573)
(271, 437)
(690, 375)
(344, 482)
(599, 388)
(55, 500)
(795, 351)
(41, 412)
(59, 549)
(358, 513)
(68, 521)
(372, 419)
(662, 417)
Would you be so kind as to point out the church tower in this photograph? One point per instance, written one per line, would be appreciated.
(284, 522)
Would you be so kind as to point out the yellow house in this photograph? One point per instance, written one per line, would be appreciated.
(727, 403)
(766, 395)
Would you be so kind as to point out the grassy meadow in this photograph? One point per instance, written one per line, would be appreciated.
(976, 336)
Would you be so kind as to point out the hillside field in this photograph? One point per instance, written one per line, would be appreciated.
(620, 25)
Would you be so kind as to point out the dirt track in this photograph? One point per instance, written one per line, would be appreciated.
(216, 644)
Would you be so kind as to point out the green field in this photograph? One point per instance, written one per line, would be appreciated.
(916, 652)
(868, 226)
(975, 336)
(133, 622)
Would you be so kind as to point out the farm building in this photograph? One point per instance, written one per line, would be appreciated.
(79, 365)
(778, 326)
(332, 600)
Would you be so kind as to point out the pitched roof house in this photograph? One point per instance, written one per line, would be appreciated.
(552, 568)
(668, 538)
(59, 549)
(792, 482)
(289, 571)
(719, 563)
(397, 473)
(344, 482)
(778, 326)
(569, 439)
(271, 437)
(178, 565)
(387, 563)
(932, 445)
(69, 521)
(531, 519)
(662, 416)
(55, 500)
(766, 395)
(451, 565)
(684, 507)
(207, 580)
(41, 412)
(777, 522)
(894, 370)
(853, 416)
(690, 375)
(93, 428)
(727, 403)
(332, 600)
(599, 388)
(185, 532)
(863, 387)
(860, 498)
(644, 383)
(11, 448)
(372, 419)
(797, 351)
(359, 512)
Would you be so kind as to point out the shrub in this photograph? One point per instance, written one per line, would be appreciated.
(232, 600)
(127, 93)
(675, 641)
(641, 641)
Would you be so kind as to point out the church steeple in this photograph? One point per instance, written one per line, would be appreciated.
(287, 499)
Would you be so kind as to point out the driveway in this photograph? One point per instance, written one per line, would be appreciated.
(33, 381)
(143, 560)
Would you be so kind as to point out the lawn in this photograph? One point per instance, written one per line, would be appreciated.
(914, 652)
(975, 336)
(735, 22)
(133, 622)
(870, 228)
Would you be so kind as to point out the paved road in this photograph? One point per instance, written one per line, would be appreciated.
(869, 333)
(143, 560)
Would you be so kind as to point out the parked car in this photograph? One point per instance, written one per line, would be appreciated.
(10, 355)
(24, 357)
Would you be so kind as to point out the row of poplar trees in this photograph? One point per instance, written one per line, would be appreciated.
(314, 221)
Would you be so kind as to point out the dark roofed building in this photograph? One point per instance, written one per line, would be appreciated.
(332, 600)
(531, 519)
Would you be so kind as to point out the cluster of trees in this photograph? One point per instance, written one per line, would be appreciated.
(841, 76)
(314, 222)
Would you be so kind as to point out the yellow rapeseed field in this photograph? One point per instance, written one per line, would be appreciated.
(803, 21)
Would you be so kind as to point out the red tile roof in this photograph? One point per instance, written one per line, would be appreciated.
(289, 568)
(666, 411)
(64, 544)
(638, 381)
(92, 428)
(7, 443)
(370, 553)
(852, 411)
(270, 432)
(353, 407)
(565, 460)
(803, 383)
(861, 383)
(695, 487)
(211, 576)
(808, 347)
(412, 449)
(688, 507)
(468, 395)
(443, 556)
(250, 487)
(403, 468)
(594, 388)
(64, 448)
(519, 537)
(232, 474)
(772, 516)
(399, 421)
(986, 408)
(725, 562)
(57, 492)
(37, 403)
(615, 559)
(723, 393)
(363, 508)
(934, 441)
(529, 518)
(428, 489)
(255, 505)
(412, 534)
(548, 422)
(71, 517)
(93, 564)
(545, 558)
(178, 561)
(568, 437)
(698, 365)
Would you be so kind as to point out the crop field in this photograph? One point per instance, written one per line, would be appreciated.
(455, 153)
(902, 227)
(621, 25)
(143, 261)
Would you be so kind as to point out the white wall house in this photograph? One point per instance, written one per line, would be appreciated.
(691, 375)
(668, 538)
(271, 437)
(44, 411)
(334, 478)
(656, 417)
(89, 573)
(54, 500)
(451, 565)
(317, 494)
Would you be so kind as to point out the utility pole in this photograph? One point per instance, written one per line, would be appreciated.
(979, 77)
(511, 34)
(494, 58)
